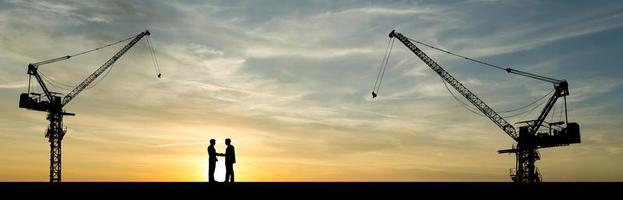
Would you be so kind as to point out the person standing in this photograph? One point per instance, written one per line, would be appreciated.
(212, 160)
(230, 159)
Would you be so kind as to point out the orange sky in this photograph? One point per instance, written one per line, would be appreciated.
(290, 83)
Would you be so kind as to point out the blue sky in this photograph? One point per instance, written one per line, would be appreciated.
(290, 82)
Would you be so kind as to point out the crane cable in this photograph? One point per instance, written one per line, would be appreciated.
(533, 108)
(475, 111)
(97, 81)
(55, 83)
(457, 55)
(151, 50)
(101, 47)
(153, 57)
(483, 63)
(383, 67)
(68, 87)
(530, 111)
(525, 106)
(381, 73)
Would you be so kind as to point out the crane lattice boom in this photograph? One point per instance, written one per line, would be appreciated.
(102, 69)
(481, 105)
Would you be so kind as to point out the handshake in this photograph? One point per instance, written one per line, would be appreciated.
(230, 159)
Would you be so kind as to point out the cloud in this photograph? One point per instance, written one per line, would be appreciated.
(259, 52)
(288, 79)
(61, 9)
(586, 89)
(388, 10)
(529, 35)
(13, 85)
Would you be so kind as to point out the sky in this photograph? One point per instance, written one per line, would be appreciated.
(289, 82)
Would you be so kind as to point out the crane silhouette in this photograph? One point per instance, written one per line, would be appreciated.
(529, 138)
(53, 103)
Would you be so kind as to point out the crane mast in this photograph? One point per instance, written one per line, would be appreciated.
(528, 139)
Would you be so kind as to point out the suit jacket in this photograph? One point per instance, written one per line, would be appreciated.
(212, 153)
(230, 155)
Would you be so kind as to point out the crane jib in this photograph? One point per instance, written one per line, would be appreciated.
(102, 68)
(481, 105)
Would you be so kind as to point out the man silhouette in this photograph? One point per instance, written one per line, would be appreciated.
(230, 159)
(212, 160)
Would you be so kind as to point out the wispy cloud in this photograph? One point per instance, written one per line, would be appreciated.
(289, 82)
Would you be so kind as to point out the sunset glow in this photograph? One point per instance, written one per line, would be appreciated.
(289, 82)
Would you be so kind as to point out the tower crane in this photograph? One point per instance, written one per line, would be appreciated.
(53, 103)
(531, 136)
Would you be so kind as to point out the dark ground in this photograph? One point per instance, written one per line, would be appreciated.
(298, 190)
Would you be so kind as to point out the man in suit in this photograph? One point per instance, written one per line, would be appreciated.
(230, 159)
(212, 160)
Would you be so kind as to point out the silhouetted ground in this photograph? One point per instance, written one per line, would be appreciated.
(324, 190)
